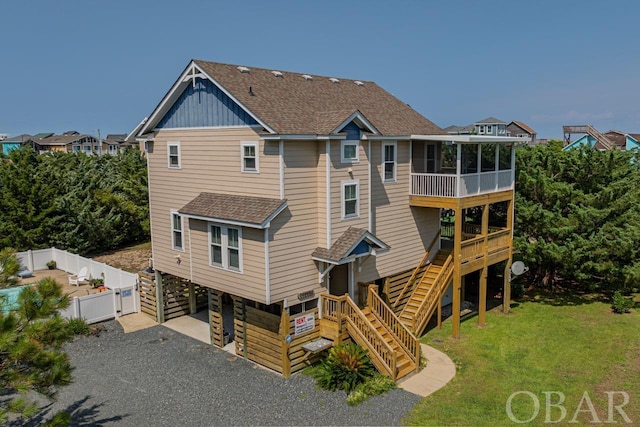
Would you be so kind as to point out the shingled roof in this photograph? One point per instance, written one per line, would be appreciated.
(345, 244)
(291, 103)
(257, 211)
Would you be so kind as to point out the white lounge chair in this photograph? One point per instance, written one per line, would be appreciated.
(82, 278)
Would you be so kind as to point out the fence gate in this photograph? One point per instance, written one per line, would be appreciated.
(125, 300)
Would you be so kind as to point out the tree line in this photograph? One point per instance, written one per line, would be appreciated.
(84, 204)
(577, 218)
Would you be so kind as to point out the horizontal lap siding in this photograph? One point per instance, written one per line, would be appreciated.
(407, 230)
(248, 284)
(294, 232)
(210, 162)
(339, 173)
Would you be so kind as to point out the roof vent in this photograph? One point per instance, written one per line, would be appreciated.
(307, 77)
(334, 80)
(276, 73)
(359, 83)
(243, 69)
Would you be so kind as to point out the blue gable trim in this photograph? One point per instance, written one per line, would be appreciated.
(362, 248)
(584, 140)
(631, 143)
(205, 105)
(352, 130)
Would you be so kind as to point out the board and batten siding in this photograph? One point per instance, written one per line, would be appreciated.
(407, 230)
(293, 233)
(210, 162)
(340, 173)
(250, 283)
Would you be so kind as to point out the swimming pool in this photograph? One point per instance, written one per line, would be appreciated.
(10, 300)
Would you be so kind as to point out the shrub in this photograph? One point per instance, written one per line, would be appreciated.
(378, 384)
(621, 304)
(346, 366)
(79, 327)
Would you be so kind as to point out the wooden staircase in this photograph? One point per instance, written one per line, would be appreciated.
(427, 292)
(393, 349)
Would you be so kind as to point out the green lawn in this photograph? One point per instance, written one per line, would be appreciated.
(571, 347)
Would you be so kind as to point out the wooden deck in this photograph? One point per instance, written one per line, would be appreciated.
(61, 277)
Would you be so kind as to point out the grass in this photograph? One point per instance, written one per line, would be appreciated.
(573, 347)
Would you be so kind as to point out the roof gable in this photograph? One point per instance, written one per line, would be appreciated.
(203, 104)
(352, 243)
(523, 126)
(297, 104)
(491, 121)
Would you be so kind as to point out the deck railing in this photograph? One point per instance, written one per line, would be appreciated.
(470, 184)
(473, 248)
(402, 334)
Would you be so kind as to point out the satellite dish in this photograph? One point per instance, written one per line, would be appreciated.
(518, 267)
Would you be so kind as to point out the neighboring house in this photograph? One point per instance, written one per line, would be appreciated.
(115, 143)
(522, 130)
(491, 126)
(16, 142)
(494, 127)
(282, 196)
(4, 136)
(611, 140)
(70, 141)
(460, 130)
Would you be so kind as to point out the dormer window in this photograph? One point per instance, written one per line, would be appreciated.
(349, 151)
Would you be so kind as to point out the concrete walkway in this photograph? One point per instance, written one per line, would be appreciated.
(438, 372)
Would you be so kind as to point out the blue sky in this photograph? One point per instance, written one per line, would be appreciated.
(88, 65)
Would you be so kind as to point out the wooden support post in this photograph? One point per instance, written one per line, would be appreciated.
(159, 298)
(244, 328)
(284, 331)
(209, 310)
(482, 298)
(457, 276)
(440, 312)
(506, 288)
(192, 298)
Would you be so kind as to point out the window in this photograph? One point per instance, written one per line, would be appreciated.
(489, 129)
(389, 162)
(249, 157)
(87, 148)
(349, 151)
(504, 156)
(173, 153)
(76, 148)
(177, 240)
(225, 243)
(430, 158)
(488, 157)
(350, 196)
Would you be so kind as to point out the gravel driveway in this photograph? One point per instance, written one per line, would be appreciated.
(158, 377)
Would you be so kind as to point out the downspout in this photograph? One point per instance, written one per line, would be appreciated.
(281, 155)
(267, 267)
(327, 150)
(371, 230)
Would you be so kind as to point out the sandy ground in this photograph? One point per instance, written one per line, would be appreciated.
(131, 259)
(61, 277)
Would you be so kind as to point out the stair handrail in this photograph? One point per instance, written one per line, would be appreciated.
(385, 357)
(402, 334)
(426, 307)
(600, 137)
(412, 279)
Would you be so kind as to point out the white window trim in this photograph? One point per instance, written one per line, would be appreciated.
(256, 145)
(355, 182)
(346, 142)
(173, 246)
(174, 144)
(224, 229)
(395, 162)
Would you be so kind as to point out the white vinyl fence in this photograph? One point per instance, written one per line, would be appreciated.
(121, 297)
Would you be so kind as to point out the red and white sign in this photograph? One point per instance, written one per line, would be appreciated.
(304, 323)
